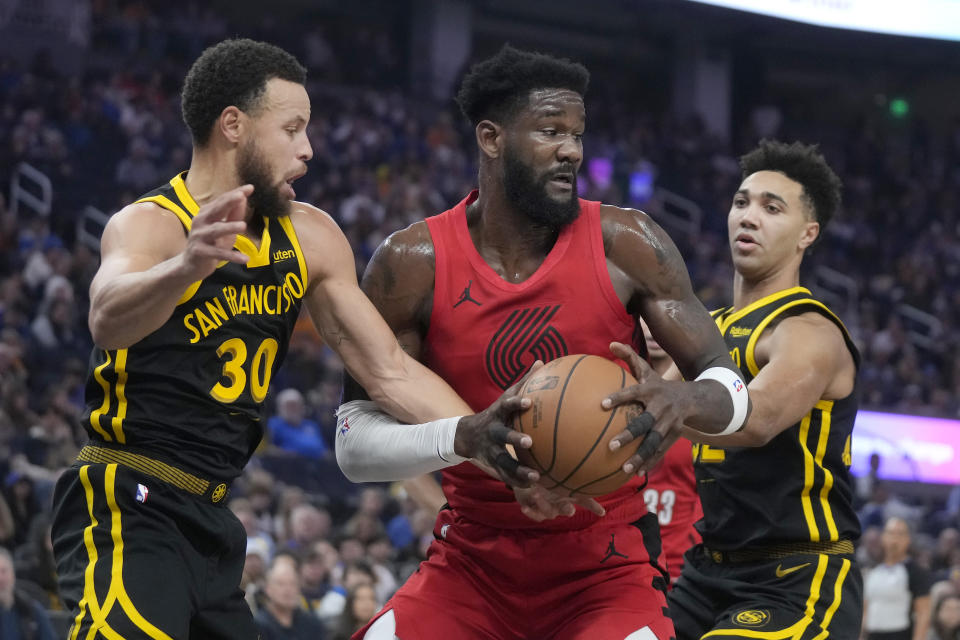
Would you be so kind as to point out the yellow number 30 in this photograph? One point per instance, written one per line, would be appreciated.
(236, 351)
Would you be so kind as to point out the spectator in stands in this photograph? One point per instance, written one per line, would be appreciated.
(316, 573)
(308, 525)
(18, 490)
(8, 527)
(884, 505)
(897, 591)
(253, 526)
(255, 572)
(21, 618)
(290, 430)
(360, 606)
(865, 483)
(138, 171)
(946, 619)
(35, 564)
(283, 617)
(870, 550)
(354, 573)
(947, 550)
(381, 556)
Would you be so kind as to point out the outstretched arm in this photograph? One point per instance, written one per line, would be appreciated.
(399, 384)
(803, 359)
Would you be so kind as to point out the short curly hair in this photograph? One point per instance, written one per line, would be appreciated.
(498, 87)
(802, 163)
(232, 73)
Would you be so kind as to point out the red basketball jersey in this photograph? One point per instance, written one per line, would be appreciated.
(671, 493)
(485, 333)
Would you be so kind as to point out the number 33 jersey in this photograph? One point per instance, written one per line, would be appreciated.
(192, 391)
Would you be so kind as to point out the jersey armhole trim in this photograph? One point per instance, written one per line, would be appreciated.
(753, 306)
(287, 225)
(750, 355)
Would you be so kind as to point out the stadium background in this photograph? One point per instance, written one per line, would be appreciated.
(89, 119)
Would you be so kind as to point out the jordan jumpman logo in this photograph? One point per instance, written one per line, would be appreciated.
(466, 297)
(612, 551)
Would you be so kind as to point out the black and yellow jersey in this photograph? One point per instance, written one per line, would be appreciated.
(191, 393)
(796, 488)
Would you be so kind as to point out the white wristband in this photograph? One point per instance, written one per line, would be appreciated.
(738, 395)
(372, 446)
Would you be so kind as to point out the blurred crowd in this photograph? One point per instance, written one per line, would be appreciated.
(384, 158)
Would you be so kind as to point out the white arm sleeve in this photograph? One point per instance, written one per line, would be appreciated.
(373, 447)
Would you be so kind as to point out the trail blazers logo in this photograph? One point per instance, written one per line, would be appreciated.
(524, 337)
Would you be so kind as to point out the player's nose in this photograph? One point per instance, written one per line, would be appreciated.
(750, 217)
(305, 152)
(570, 150)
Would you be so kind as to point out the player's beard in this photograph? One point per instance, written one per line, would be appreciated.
(528, 193)
(253, 168)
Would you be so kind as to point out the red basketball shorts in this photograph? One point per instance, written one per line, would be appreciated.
(484, 583)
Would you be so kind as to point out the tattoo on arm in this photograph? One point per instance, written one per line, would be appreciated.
(671, 268)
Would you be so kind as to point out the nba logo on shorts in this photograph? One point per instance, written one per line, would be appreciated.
(737, 386)
(142, 493)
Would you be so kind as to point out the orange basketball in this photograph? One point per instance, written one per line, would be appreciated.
(571, 432)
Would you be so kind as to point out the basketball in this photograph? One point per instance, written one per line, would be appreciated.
(570, 430)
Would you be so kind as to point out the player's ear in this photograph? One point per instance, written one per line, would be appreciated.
(809, 234)
(231, 124)
(490, 138)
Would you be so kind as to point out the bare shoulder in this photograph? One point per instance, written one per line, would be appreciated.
(812, 341)
(810, 324)
(144, 228)
(411, 247)
(638, 246)
(403, 265)
(325, 248)
(819, 337)
(314, 226)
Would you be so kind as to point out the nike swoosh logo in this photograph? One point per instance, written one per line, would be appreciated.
(785, 572)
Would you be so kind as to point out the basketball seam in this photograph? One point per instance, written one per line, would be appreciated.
(586, 456)
(559, 409)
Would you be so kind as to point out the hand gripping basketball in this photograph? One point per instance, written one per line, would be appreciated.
(663, 407)
(486, 436)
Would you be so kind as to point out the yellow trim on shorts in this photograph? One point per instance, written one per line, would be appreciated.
(794, 631)
(89, 600)
(116, 592)
(837, 595)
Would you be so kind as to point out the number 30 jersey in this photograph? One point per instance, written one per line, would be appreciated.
(191, 393)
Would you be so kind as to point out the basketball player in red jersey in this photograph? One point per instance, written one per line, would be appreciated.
(522, 270)
(671, 490)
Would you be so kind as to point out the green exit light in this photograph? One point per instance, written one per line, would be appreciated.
(899, 108)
